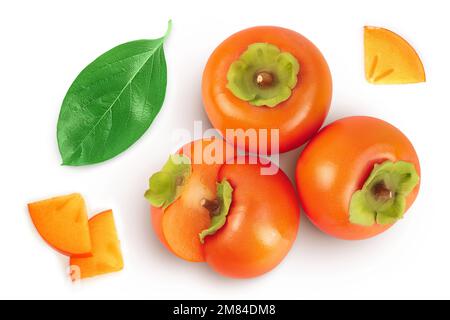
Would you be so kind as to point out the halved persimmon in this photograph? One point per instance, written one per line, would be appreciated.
(63, 223)
(106, 253)
(390, 59)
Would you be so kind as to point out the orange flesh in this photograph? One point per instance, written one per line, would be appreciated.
(106, 253)
(182, 222)
(390, 59)
(63, 223)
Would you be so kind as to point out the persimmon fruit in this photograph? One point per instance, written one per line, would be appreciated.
(261, 226)
(179, 225)
(267, 78)
(357, 177)
(226, 213)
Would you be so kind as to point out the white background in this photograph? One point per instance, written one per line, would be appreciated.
(45, 44)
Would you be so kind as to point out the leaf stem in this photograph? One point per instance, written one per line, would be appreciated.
(169, 30)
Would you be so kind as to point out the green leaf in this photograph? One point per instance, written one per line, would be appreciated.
(225, 197)
(113, 102)
(165, 186)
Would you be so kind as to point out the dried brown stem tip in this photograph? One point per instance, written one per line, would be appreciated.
(382, 192)
(264, 79)
(179, 181)
(211, 205)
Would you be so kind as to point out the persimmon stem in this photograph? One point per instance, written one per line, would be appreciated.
(382, 199)
(179, 181)
(264, 79)
(381, 192)
(211, 205)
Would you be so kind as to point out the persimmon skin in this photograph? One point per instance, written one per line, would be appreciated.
(178, 226)
(157, 216)
(337, 162)
(298, 118)
(261, 226)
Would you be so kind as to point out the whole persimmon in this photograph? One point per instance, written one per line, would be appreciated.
(358, 177)
(261, 226)
(270, 84)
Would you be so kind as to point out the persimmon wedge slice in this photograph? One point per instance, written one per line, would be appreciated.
(106, 253)
(63, 223)
(390, 59)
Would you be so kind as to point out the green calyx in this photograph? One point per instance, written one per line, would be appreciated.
(382, 200)
(165, 186)
(219, 211)
(263, 75)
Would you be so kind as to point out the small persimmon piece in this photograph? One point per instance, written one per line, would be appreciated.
(63, 223)
(106, 253)
(390, 59)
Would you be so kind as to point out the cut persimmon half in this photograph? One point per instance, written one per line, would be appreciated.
(63, 223)
(390, 59)
(106, 253)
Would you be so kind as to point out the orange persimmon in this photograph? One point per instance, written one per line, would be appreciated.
(261, 226)
(353, 157)
(63, 223)
(178, 225)
(290, 82)
(238, 214)
(106, 253)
